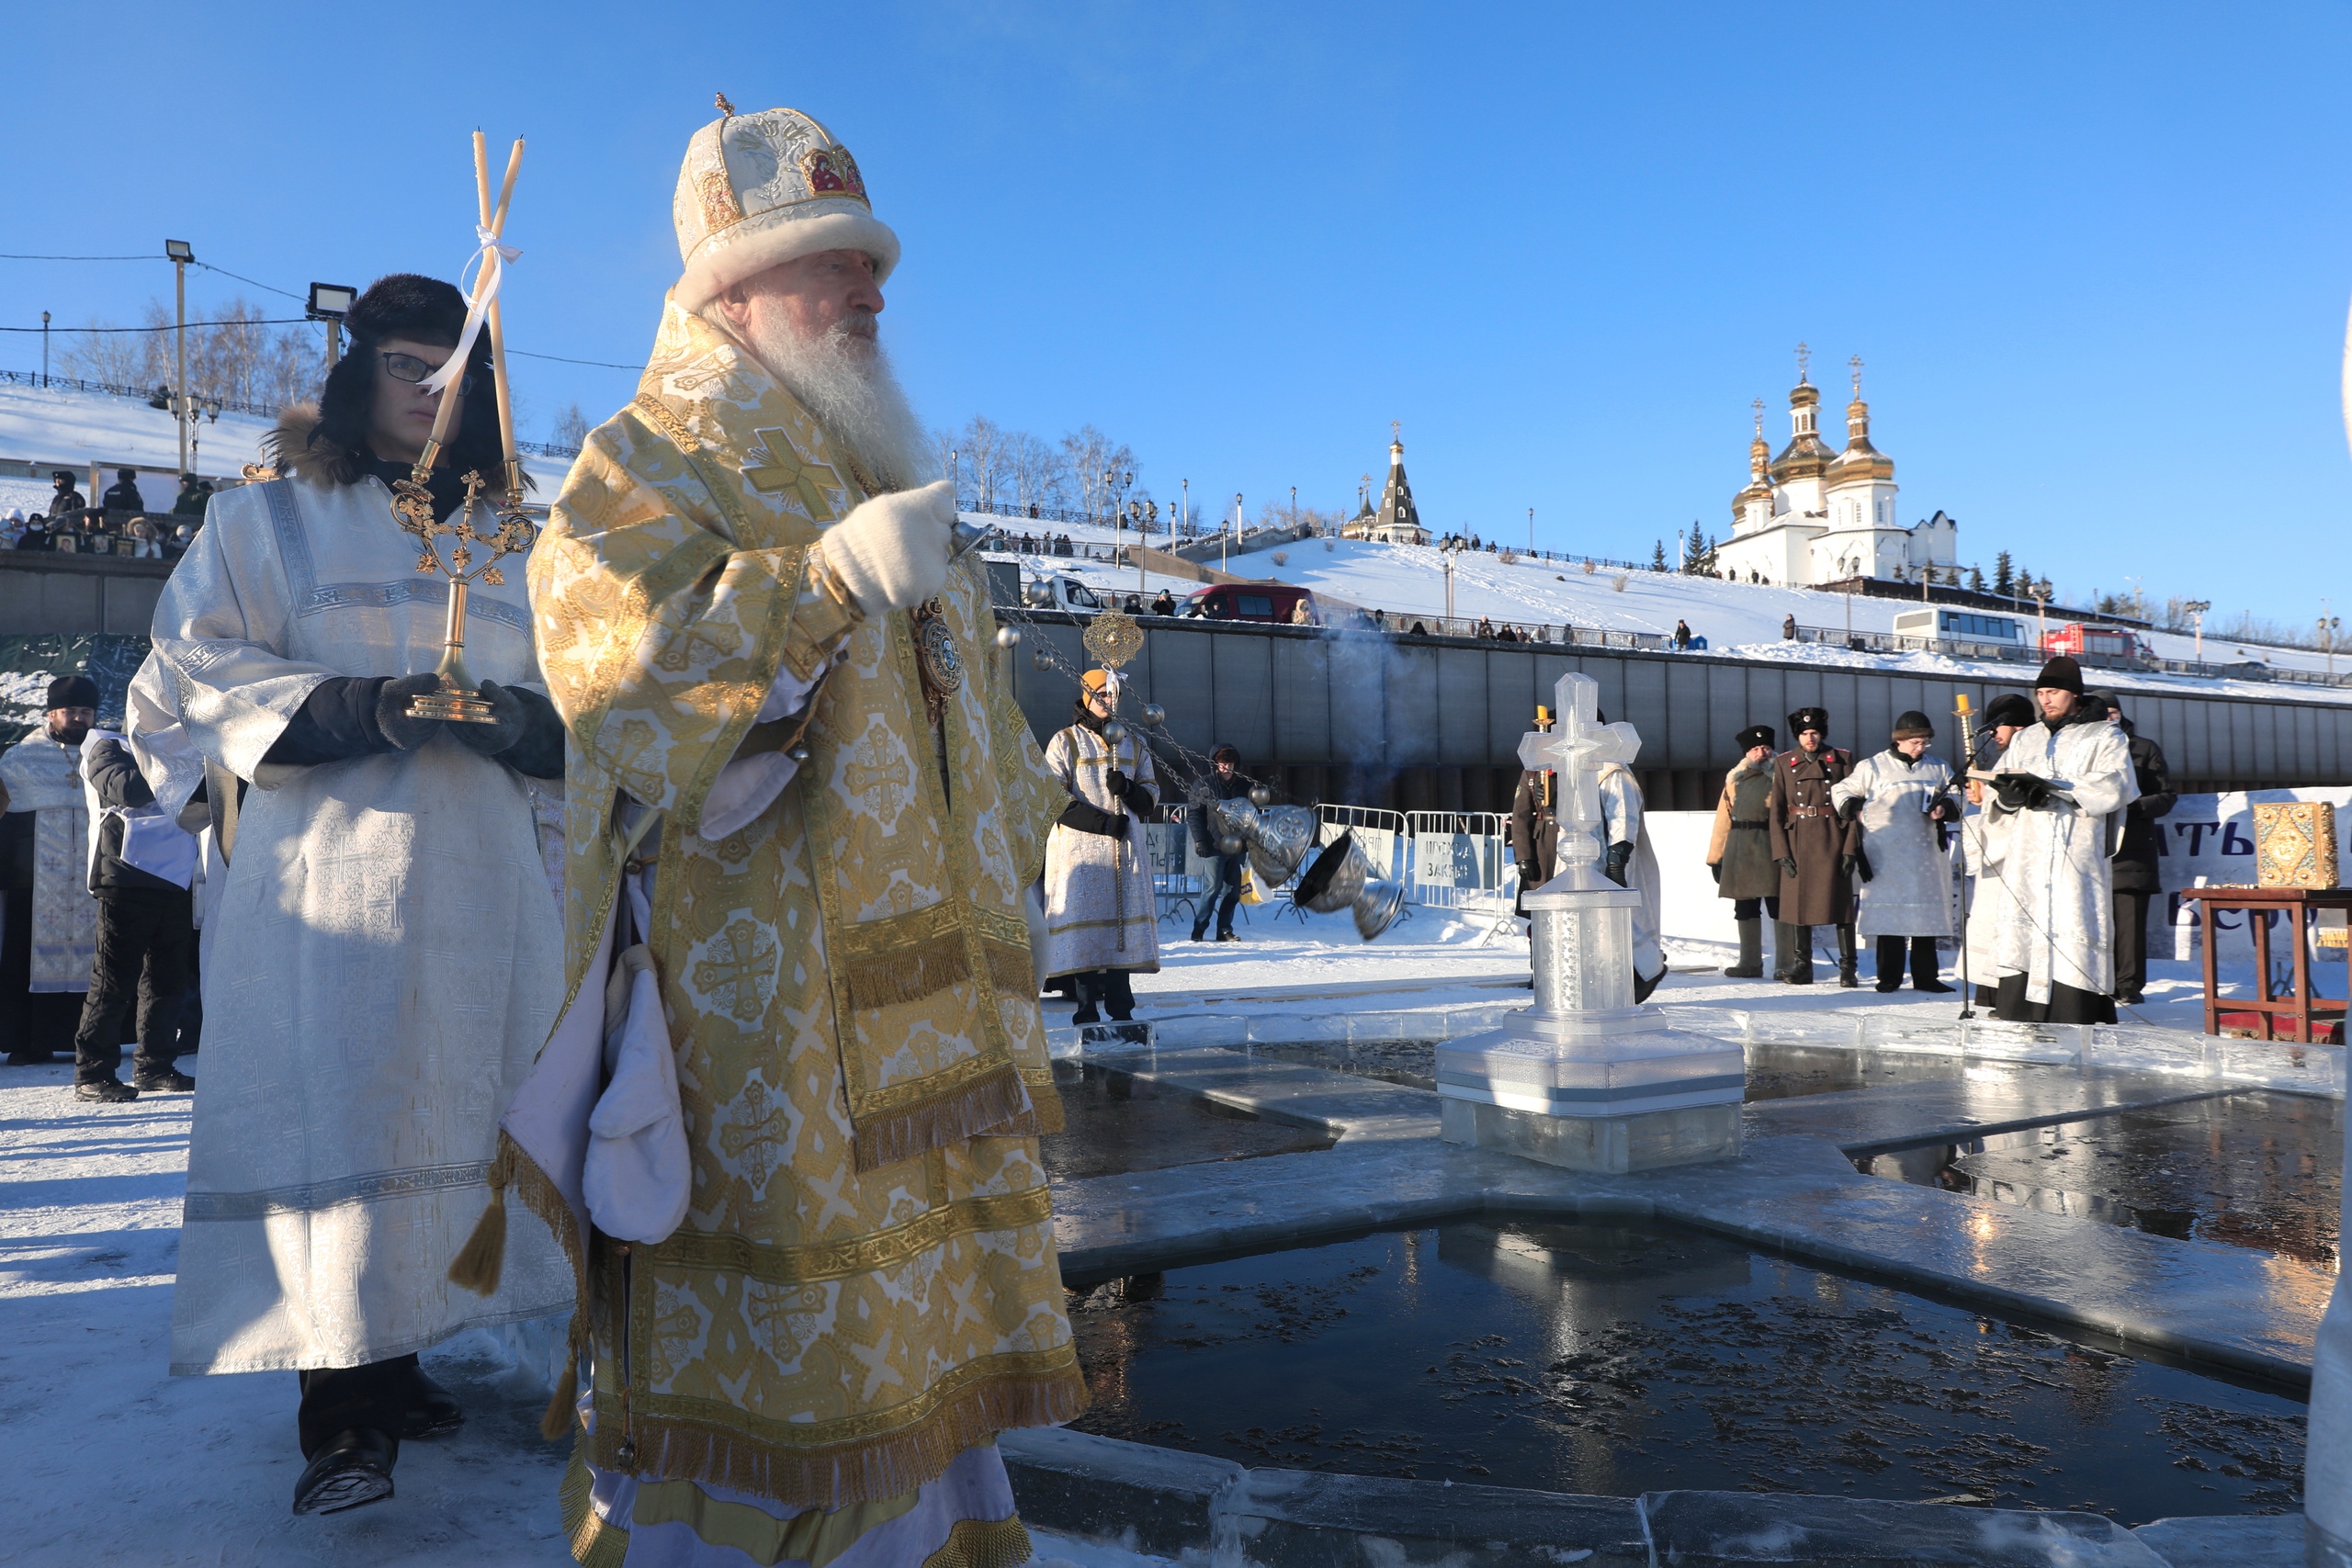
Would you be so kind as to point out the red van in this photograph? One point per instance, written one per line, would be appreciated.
(1274, 602)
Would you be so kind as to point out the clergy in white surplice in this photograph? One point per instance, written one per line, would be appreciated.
(2055, 819)
(385, 959)
(50, 924)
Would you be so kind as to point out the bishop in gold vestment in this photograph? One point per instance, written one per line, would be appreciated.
(818, 818)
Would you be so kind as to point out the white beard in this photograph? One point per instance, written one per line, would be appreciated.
(854, 393)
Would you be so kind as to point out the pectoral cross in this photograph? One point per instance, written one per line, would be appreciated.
(1577, 749)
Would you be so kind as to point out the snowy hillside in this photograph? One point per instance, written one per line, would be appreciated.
(51, 427)
(1737, 618)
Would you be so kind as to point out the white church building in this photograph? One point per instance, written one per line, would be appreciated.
(1811, 516)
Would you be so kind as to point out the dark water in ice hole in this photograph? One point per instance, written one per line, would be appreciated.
(1120, 1123)
(1775, 1070)
(1617, 1359)
(2253, 1168)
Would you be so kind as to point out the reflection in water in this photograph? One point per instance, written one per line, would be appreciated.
(1616, 1360)
(1120, 1123)
(1776, 1069)
(2254, 1169)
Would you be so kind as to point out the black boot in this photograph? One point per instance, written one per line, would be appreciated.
(430, 1409)
(1848, 962)
(1751, 953)
(1924, 965)
(1890, 964)
(349, 1469)
(1088, 990)
(1795, 943)
(1118, 996)
(1642, 989)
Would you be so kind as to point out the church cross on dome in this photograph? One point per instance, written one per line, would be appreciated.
(1759, 406)
(1855, 364)
(1804, 362)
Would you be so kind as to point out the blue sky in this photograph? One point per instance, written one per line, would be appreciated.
(2095, 257)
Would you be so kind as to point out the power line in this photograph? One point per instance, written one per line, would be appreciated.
(559, 360)
(264, 286)
(168, 326)
(8, 257)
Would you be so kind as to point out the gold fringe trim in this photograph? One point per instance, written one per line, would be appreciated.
(983, 1543)
(680, 1448)
(993, 1103)
(883, 1250)
(483, 1259)
(1011, 969)
(1045, 1100)
(562, 1413)
(593, 1543)
(902, 975)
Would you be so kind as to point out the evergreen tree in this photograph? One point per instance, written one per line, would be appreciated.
(2005, 581)
(1976, 579)
(1658, 555)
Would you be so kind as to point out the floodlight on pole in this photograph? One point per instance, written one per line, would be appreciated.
(179, 253)
(330, 302)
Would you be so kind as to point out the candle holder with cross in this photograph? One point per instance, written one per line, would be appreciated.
(1586, 1078)
(459, 699)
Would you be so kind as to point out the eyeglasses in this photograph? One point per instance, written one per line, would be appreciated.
(410, 369)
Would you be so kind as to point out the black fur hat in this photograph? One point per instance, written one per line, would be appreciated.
(1809, 718)
(1755, 735)
(400, 305)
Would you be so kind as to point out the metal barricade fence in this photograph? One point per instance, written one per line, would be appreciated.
(1381, 835)
(1458, 858)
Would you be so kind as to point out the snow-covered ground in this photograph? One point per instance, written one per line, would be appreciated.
(52, 427)
(1738, 620)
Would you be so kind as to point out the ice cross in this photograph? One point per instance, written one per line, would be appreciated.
(1577, 749)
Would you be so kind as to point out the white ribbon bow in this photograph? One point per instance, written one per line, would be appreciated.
(492, 258)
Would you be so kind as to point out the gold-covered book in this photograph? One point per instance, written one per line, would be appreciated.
(2294, 844)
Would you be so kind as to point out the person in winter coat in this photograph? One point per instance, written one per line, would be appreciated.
(1815, 850)
(1740, 853)
(1102, 915)
(123, 494)
(1631, 863)
(2056, 818)
(140, 870)
(1901, 798)
(193, 496)
(1988, 901)
(1222, 892)
(2135, 862)
(67, 501)
(1535, 826)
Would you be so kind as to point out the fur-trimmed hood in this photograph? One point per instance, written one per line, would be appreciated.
(291, 449)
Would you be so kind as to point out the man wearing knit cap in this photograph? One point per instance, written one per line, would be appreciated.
(52, 927)
(2055, 818)
(1900, 799)
(817, 1273)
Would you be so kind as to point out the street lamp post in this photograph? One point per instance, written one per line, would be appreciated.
(2195, 609)
(1530, 530)
(2328, 627)
(330, 302)
(44, 348)
(180, 253)
(1225, 546)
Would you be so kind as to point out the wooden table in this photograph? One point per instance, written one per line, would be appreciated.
(2258, 903)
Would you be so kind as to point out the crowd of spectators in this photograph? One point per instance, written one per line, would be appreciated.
(122, 525)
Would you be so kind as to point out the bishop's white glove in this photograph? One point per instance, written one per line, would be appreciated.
(891, 552)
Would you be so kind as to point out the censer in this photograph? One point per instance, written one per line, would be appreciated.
(459, 699)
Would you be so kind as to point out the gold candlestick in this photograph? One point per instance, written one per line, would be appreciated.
(460, 700)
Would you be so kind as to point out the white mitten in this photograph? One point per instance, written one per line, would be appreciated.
(891, 552)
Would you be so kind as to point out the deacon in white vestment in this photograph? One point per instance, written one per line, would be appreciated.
(1101, 914)
(54, 923)
(2056, 817)
(1902, 796)
(384, 960)
(1632, 863)
(1989, 913)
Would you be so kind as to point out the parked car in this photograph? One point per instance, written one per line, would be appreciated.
(1275, 602)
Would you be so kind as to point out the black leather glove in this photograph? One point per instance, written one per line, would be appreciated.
(1851, 809)
(1138, 798)
(1620, 855)
(1084, 817)
(1856, 865)
(392, 720)
(539, 753)
(506, 727)
(1716, 871)
(2021, 792)
(1789, 868)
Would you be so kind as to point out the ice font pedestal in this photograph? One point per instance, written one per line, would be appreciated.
(1585, 1078)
